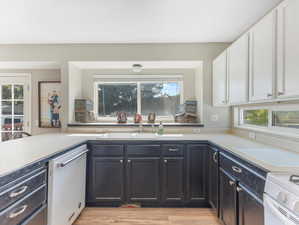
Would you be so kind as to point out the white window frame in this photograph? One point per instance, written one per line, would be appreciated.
(238, 119)
(100, 79)
(21, 79)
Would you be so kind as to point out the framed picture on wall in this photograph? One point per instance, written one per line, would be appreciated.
(50, 104)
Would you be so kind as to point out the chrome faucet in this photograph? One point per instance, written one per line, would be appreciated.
(140, 130)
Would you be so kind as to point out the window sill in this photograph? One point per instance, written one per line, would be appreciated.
(134, 124)
(282, 134)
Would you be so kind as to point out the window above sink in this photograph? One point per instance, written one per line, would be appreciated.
(143, 97)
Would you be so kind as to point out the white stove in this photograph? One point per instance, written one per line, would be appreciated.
(281, 199)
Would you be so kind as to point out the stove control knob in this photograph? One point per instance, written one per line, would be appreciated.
(282, 197)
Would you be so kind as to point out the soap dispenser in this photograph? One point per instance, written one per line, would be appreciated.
(161, 129)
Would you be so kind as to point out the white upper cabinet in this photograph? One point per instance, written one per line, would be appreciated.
(220, 97)
(262, 59)
(288, 49)
(238, 70)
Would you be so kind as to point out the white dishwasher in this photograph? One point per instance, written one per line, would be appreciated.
(66, 186)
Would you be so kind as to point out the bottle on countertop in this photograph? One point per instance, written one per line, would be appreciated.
(161, 129)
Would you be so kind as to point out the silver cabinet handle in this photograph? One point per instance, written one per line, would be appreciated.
(237, 169)
(129, 161)
(72, 159)
(215, 157)
(165, 161)
(18, 212)
(280, 93)
(269, 95)
(239, 189)
(18, 192)
(121, 161)
(231, 183)
(173, 149)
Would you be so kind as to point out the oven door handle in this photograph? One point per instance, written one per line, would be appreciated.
(72, 159)
(271, 204)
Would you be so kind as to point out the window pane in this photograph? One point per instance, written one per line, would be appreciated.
(6, 108)
(6, 92)
(288, 119)
(161, 98)
(18, 92)
(257, 117)
(115, 98)
(19, 108)
(5, 136)
(6, 123)
(18, 123)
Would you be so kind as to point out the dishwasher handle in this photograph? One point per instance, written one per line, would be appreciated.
(72, 159)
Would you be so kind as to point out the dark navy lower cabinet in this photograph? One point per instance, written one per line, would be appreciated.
(228, 199)
(241, 190)
(173, 176)
(107, 180)
(143, 180)
(197, 173)
(213, 179)
(148, 173)
(251, 209)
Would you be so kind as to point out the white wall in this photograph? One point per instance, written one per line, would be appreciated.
(75, 90)
(36, 76)
(63, 53)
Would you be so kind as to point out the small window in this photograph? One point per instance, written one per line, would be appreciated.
(257, 117)
(288, 119)
(113, 98)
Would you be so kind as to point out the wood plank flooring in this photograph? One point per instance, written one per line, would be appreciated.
(147, 216)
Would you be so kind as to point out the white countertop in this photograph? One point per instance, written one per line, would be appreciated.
(19, 153)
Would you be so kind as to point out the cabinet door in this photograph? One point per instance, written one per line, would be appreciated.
(251, 209)
(288, 49)
(238, 70)
(197, 173)
(262, 58)
(107, 180)
(213, 179)
(143, 179)
(220, 97)
(173, 179)
(228, 199)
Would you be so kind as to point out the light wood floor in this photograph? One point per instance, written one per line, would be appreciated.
(147, 216)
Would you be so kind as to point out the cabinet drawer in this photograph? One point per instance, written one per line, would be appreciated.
(145, 150)
(16, 213)
(173, 149)
(20, 190)
(39, 217)
(243, 174)
(107, 150)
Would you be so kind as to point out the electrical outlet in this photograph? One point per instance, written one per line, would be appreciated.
(196, 131)
(215, 117)
(251, 135)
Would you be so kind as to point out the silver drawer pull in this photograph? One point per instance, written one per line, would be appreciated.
(215, 157)
(237, 169)
(165, 161)
(18, 192)
(18, 212)
(239, 189)
(173, 149)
